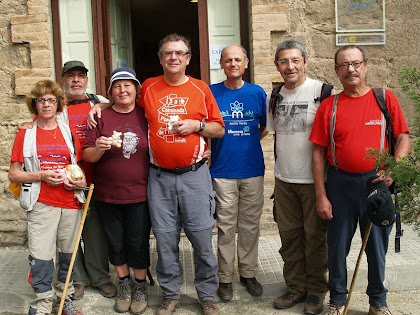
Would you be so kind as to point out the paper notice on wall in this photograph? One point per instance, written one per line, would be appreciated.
(215, 51)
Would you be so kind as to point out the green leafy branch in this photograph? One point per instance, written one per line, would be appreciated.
(406, 172)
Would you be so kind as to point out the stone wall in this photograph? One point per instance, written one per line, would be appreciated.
(312, 22)
(26, 56)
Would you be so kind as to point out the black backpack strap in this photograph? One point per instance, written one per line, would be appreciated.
(275, 98)
(399, 232)
(93, 98)
(325, 92)
(380, 98)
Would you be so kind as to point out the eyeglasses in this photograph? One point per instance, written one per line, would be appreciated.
(346, 65)
(178, 53)
(51, 101)
(74, 75)
(285, 62)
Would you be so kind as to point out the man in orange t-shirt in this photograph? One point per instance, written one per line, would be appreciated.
(181, 112)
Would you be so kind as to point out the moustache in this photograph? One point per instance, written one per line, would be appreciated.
(349, 75)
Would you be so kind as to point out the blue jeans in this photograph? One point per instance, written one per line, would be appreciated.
(347, 193)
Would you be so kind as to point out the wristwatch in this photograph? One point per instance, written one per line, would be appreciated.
(202, 126)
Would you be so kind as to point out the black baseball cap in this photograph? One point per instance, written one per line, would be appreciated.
(380, 207)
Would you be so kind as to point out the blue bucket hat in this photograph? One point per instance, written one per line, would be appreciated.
(123, 73)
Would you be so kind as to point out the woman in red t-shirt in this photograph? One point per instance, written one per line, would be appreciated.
(54, 214)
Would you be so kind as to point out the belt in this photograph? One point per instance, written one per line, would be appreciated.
(180, 170)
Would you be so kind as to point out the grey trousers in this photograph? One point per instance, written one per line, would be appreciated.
(92, 266)
(187, 201)
(169, 268)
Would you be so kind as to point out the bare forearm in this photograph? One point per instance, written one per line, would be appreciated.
(318, 169)
(92, 155)
(16, 175)
(402, 146)
(213, 130)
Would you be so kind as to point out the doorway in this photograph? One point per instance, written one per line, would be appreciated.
(153, 20)
(127, 32)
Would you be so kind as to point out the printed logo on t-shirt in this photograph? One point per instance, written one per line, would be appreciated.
(173, 105)
(373, 122)
(129, 144)
(51, 156)
(78, 122)
(235, 117)
(291, 116)
(126, 139)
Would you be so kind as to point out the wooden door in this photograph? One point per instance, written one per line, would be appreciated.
(224, 30)
(77, 36)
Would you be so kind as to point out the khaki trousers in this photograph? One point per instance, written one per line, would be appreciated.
(239, 204)
(303, 238)
(50, 229)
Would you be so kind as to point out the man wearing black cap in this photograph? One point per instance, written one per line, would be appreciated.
(345, 126)
(91, 266)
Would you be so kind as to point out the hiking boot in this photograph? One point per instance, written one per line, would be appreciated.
(123, 301)
(334, 309)
(79, 292)
(167, 307)
(225, 291)
(138, 298)
(252, 285)
(313, 305)
(210, 307)
(288, 300)
(382, 310)
(68, 307)
(108, 289)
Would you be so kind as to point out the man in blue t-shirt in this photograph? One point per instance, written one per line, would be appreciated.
(237, 169)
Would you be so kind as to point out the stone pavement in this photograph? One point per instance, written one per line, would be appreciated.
(402, 279)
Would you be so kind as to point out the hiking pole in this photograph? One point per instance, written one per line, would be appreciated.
(362, 249)
(76, 246)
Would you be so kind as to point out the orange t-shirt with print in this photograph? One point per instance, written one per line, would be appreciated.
(191, 100)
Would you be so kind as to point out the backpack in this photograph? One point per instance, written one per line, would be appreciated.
(90, 97)
(380, 99)
(276, 97)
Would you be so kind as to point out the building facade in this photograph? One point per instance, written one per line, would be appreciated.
(38, 36)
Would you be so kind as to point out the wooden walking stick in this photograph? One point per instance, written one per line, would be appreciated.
(362, 249)
(76, 246)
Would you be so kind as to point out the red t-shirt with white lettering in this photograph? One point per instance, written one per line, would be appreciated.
(191, 100)
(53, 154)
(357, 127)
(78, 122)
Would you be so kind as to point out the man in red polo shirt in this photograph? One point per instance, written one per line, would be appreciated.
(357, 124)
